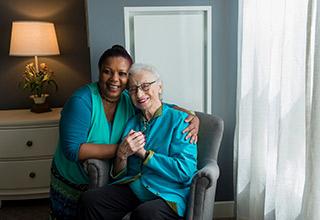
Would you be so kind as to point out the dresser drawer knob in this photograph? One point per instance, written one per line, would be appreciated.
(32, 175)
(29, 143)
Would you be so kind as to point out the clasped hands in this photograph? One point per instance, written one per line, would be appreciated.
(135, 140)
(133, 143)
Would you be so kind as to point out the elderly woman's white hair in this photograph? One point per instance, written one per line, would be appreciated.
(149, 69)
(138, 67)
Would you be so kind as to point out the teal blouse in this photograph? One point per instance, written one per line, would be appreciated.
(168, 170)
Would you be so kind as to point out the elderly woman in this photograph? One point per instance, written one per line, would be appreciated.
(154, 164)
(91, 125)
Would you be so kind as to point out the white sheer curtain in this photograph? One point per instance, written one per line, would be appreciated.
(277, 133)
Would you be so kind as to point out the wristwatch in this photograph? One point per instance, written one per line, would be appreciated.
(146, 155)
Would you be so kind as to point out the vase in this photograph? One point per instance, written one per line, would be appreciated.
(39, 99)
(40, 104)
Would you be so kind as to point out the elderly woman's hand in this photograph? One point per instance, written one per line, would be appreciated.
(134, 142)
(193, 128)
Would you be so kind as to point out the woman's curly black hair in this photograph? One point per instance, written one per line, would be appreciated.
(115, 51)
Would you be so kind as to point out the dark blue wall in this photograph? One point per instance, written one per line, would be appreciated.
(106, 27)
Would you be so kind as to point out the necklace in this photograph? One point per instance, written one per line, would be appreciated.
(108, 100)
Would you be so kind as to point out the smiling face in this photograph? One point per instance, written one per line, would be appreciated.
(113, 78)
(148, 101)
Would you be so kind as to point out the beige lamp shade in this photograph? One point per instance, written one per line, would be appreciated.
(29, 38)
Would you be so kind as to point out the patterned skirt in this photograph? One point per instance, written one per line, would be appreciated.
(64, 196)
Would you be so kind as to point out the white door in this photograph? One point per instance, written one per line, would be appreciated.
(177, 41)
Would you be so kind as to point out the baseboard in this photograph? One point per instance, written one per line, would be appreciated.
(224, 209)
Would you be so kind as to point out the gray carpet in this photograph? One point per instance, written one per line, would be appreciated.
(36, 209)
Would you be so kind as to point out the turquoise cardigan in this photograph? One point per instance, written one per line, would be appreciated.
(99, 130)
(168, 170)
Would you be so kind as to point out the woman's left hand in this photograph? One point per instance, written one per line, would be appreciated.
(193, 128)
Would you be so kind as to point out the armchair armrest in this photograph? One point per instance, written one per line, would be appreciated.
(98, 172)
(209, 171)
(202, 192)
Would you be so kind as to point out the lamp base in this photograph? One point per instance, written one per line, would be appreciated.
(40, 108)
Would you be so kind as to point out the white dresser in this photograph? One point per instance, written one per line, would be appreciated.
(27, 143)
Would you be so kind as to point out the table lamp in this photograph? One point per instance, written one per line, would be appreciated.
(33, 38)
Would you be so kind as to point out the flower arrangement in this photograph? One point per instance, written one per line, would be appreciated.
(37, 82)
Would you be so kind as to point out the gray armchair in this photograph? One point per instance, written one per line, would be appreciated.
(203, 188)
